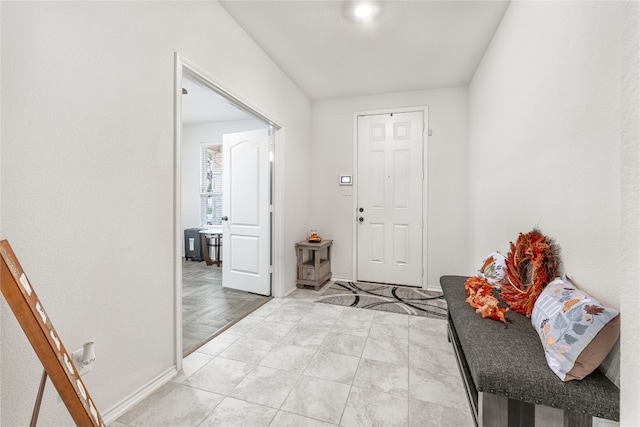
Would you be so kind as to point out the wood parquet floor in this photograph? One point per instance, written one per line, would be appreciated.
(207, 307)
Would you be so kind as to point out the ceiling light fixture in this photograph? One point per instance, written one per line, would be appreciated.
(363, 11)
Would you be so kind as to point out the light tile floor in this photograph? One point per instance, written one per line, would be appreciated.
(297, 363)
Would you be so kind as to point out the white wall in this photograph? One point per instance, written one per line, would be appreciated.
(193, 137)
(545, 114)
(333, 155)
(630, 223)
(545, 136)
(87, 176)
(1, 308)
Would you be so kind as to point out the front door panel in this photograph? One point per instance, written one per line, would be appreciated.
(390, 181)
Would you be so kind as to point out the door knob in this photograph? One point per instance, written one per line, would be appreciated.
(361, 219)
(225, 218)
(361, 210)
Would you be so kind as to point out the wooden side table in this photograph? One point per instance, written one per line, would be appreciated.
(314, 269)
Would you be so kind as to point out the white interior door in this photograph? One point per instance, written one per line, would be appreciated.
(390, 180)
(245, 212)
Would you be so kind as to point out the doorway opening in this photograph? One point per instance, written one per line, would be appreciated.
(222, 147)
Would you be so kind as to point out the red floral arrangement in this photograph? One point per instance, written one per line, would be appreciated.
(532, 263)
(481, 298)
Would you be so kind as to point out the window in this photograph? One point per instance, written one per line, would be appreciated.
(211, 185)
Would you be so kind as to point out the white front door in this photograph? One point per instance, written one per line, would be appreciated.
(245, 212)
(390, 180)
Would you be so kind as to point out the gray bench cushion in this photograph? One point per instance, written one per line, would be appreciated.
(508, 360)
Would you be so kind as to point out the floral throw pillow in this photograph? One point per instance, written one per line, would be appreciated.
(493, 268)
(576, 331)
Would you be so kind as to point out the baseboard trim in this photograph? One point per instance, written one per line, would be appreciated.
(120, 408)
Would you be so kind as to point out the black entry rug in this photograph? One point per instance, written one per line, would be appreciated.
(384, 297)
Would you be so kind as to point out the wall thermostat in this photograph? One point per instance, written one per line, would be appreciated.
(346, 180)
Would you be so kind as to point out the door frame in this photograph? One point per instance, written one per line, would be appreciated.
(276, 140)
(425, 184)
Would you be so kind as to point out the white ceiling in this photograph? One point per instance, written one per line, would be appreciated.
(411, 45)
(202, 105)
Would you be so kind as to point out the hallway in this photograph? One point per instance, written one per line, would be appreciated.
(294, 362)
